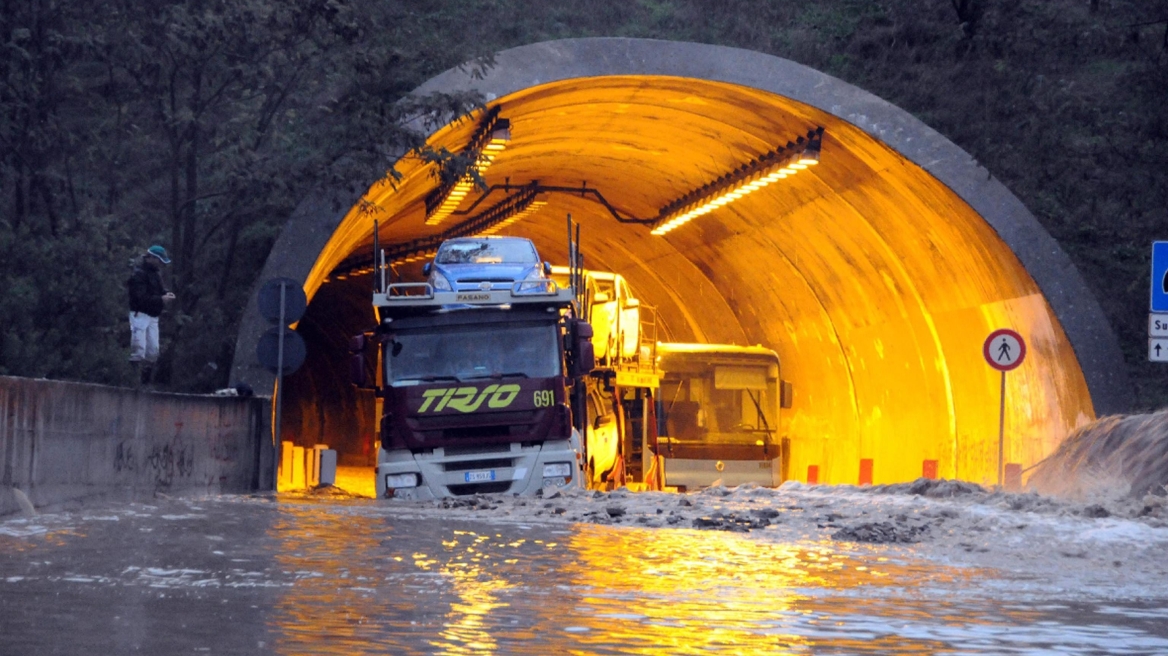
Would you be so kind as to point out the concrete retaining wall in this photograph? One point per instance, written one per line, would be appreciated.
(68, 443)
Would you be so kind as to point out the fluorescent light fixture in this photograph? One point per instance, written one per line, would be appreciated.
(743, 181)
(488, 141)
(511, 209)
(810, 156)
(532, 207)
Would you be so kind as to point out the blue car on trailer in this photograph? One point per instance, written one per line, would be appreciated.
(484, 263)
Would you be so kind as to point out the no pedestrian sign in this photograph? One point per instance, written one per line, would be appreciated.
(1004, 349)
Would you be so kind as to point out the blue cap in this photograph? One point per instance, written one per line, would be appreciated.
(158, 252)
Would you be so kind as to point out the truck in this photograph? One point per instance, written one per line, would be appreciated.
(475, 388)
(718, 415)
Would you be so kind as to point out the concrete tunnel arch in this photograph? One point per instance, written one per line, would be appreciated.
(876, 276)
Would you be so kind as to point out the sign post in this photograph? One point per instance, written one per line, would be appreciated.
(281, 350)
(1004, 350)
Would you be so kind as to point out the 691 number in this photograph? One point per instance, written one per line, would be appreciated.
(545, 398)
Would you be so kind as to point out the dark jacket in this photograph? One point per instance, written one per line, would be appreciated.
(146, 288)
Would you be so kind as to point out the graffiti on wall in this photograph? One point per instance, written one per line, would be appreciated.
(124, 457)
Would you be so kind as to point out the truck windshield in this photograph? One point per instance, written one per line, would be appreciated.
(468, 352)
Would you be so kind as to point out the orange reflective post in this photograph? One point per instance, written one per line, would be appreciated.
(866, 471)
(1013, 476)
(812, 474)
(929, 469)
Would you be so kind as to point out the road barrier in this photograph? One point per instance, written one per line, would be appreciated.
(929, 469)
(1013, 481)
(303, 468)
(865, 471)
(65, 444)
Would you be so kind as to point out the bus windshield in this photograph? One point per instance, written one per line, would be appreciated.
(721, 404)
(461, 353)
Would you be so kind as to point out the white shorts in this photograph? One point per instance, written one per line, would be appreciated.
(143, 337)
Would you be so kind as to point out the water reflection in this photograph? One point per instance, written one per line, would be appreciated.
(333, 572)
(682, 592)
(363, 583)
(468, 625)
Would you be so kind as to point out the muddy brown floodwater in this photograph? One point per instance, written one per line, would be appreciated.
(245, 575)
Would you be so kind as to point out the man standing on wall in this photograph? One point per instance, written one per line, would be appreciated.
(148, 297)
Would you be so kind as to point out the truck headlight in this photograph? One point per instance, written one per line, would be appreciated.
(557, 469)
(396, 481)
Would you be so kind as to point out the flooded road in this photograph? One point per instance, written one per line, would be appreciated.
(349, 576)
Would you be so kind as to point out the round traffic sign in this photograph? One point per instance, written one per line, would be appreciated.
(268, 350)
(1004, 349)
(294, 300)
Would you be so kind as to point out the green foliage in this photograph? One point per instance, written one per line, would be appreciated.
(191, 123)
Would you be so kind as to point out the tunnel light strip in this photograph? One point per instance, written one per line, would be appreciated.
(743, 181)
(488, 141)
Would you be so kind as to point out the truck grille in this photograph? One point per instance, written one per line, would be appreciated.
(468, 465)
(470, 432)
(477, 450)
(480, 488)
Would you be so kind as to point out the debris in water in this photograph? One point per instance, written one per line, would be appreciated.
(941, 488)
(879, 533)
(730, 522)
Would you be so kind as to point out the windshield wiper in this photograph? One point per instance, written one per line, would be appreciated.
(510, 374)
(432, 379)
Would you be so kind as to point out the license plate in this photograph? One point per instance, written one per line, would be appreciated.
(480, 476)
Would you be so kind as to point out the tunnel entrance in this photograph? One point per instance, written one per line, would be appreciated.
(875, 275)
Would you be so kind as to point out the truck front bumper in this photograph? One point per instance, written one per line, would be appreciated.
(500, 469)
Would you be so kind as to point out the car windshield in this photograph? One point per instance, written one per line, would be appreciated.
(463, 353)
(487, 251)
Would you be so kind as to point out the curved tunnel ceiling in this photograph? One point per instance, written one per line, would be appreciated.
(875, 275)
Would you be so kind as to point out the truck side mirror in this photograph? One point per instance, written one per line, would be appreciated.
(585, 360)
(632, 303)
(426, 269)
(357, 369)
(583, 355)
(600, 297)
(357, 343)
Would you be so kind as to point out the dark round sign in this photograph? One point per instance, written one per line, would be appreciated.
(268, 350)
(1004, 349)
(294, 300)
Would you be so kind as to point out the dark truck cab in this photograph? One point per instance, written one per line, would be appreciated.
(475, 390)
